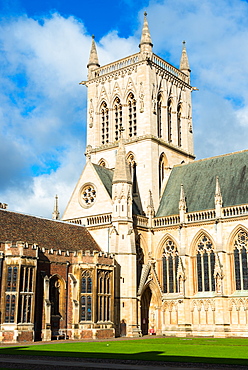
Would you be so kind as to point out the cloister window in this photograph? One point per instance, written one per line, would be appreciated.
(159, 117)
(132, 115)
(26, 294)
(169, 120)
(104, 295)
(104, 113)
(179, 125)
(11, 291)
(118, 117)
(170, 266)
(240, 261)
(205, 262)
(86, 296)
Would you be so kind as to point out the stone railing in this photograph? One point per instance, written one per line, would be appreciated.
(235, 211)
(140, 221)
(99, 220)
(168, 67)
(118, 65)
(200, 216)
(165, 221)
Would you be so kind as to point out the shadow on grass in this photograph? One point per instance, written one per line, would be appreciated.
(142, 356)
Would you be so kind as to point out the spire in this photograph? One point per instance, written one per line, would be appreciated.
(93, 59)
(218, 198)
(55, 214)
(182, 205)
(122, 172)
(150, 205)
(146, 41)
(184, 62)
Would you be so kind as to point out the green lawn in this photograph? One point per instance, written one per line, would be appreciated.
(207, 350)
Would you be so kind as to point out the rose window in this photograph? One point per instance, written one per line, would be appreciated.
(88, 195)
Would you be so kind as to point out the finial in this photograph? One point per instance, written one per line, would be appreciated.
(93, 37)
(55, 214)
(145, 14)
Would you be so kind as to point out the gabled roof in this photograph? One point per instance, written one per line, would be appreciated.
(44, 232)
(199, 182)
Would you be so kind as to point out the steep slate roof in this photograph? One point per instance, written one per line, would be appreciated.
(199, 181)
(106, 176)
(46, 233)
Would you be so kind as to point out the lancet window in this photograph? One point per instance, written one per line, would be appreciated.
(86, 296)
(132, 119)
(159, 115)
(104, 113)
(240, 260)
(104, 295)
(162, 165)
(11, 293)
(179, 125)
(117, 117)
(26, 294)
(169, 120)
(132, 166)
(205, 262)
(170, 267)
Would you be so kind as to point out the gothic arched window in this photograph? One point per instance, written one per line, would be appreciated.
(179, 125)
(162, 167)
(240, 260)
(169, 120)
(54, 295)
(104, 113)
(205, 262)
(117, 117)
(131, 102)
(86, 296)
(159, 117)
(132, 167)
(170, 266)
(104, 295)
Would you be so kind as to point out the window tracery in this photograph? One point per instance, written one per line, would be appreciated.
(240, 261)
(26, 294)
(86, 296)
(11, 291)
(104, 113)
(132, 115)
(118, 117)
(170, 260)
(205, 263)
(104, 295)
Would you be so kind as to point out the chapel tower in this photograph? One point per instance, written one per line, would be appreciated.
(151, 100)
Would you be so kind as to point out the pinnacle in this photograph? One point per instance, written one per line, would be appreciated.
(146, 41)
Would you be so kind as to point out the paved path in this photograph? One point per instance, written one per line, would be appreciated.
(82, 364)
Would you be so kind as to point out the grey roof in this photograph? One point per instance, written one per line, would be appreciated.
(199, 182)
(106, 176)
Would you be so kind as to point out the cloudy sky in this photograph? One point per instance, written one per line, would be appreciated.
(44, 48)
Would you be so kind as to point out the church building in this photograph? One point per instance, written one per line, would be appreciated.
(152, 241)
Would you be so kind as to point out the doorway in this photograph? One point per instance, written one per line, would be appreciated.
(145, 305)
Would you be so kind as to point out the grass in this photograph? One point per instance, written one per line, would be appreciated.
(202, 350)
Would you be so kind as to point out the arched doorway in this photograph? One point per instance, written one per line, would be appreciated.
(145, 304)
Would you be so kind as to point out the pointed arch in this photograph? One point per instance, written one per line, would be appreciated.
(204, 259)
(132, 115)
(163, 164)
(117, 111)
(159, 115)
(103, 163)
(179, 124)
(131, 160)
(238, 251)
(104, 122)
(169, 119)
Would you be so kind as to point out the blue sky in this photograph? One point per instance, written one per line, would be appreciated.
(44, 48)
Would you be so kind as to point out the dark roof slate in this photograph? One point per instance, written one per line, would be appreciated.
(44, 232)
(106, 176)
(199, 181)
